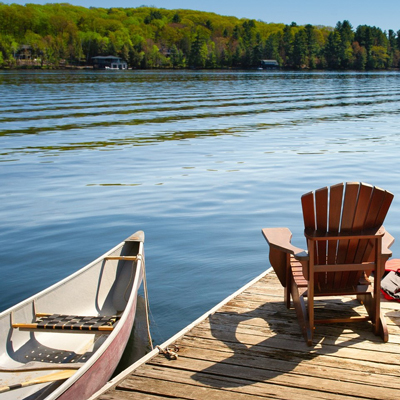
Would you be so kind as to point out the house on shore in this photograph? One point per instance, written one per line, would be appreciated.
(269, 64)
(109, 62)
(24, 53)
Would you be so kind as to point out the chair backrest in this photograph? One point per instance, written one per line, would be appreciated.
(344, 208)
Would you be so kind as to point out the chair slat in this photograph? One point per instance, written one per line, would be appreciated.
(377, 200)
(321, 218)
(335, 212)
(346, 223)
(307, 202)
(360, 217)
(365, 246)
(379, 206)
(387, 201)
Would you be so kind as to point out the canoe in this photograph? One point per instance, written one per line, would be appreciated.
(66, 341)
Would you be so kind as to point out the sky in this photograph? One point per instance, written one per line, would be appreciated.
(384, 15)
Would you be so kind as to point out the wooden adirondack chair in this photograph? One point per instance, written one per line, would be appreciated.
(346, 243)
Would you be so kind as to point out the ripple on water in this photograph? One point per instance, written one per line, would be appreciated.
(200, 161)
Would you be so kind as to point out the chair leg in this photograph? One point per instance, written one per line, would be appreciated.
(383, 329)
(302, 315)
(287, 296)
(289, 280)
(379, 323)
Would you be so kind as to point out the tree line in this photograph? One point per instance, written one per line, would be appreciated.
(148, 37)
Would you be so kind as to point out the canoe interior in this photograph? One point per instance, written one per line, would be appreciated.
(102, 288)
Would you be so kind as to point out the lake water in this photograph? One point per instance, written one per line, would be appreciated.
(200, 161)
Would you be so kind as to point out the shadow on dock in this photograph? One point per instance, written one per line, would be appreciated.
(275, 354)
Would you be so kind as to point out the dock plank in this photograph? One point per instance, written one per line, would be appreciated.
(225, 386)
(251, 347)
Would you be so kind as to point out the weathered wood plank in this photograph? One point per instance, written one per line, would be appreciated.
(340, 335)
(154, 382)
(128, 395)
(252, 348)
(256, 359)
(348, 335)
(276, 377)
(325, 310)
(297, 357)
(233, 385)
(286, 342)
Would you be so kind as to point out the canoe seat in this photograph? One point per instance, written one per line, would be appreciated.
(61, 322)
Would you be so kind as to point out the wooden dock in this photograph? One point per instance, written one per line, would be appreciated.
(250, 347)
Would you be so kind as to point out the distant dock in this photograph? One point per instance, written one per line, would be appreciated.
(250, 347)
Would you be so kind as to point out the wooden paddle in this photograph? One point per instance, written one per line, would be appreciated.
(56, 376)
(41, 366)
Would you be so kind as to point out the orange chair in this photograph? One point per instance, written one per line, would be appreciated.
(346, 243)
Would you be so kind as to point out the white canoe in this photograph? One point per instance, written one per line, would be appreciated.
(40, 344)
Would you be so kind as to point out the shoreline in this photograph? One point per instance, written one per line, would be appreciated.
(282, 69)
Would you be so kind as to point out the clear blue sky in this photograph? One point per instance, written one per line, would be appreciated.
(385, 15)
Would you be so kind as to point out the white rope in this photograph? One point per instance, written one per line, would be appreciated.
(141, 258)
(146, 300)
(170, 354)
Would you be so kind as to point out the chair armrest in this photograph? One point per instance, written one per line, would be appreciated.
(279, 239)
(280, 249)
(387, 241)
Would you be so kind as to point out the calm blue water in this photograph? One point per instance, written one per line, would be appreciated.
(200, 161)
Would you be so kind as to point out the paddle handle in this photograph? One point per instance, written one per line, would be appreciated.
(57, 376)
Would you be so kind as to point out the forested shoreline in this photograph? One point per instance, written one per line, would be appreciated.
(61, 35)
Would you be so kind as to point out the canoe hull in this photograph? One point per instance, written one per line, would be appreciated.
(107, 286)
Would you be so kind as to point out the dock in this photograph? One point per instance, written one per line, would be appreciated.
(250, 347)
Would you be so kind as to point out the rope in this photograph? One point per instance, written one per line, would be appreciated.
(141, 258)
(170, 354)
(146, 299)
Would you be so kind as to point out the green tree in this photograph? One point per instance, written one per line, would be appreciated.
(199, 53)
(398, 40)
(333, 50)
(174, 56)
(176, 18)
(236, 32)
(287, 45)
(346, 55)
(379, 57)
(136, 57)
(360, 56)
(211, 56)
(257, 50)
(300, 59)
(392, 49)
(312, 46)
